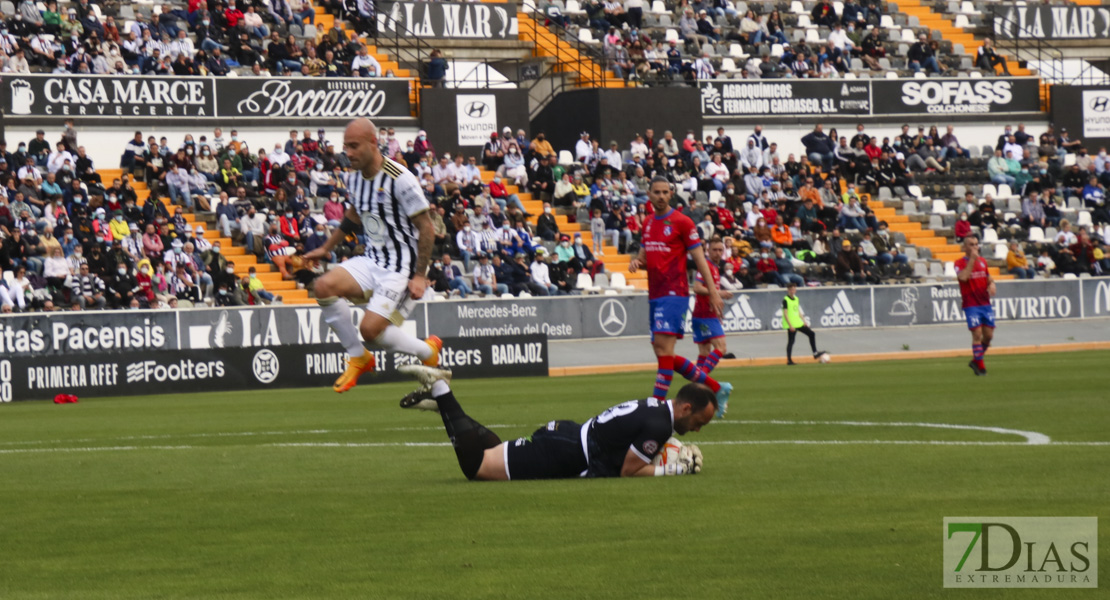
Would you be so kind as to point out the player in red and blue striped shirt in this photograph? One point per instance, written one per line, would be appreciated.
(668, 236)
(976, 288)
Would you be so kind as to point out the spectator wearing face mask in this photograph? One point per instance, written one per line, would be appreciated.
(466, 241)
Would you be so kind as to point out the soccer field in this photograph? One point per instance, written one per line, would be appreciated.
(825, 481)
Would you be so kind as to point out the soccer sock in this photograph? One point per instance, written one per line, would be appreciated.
(395, 338)
(711, 361)
(337, 314)
(469, 437)
(790, 344)
(663, 376)
(977, 351)
(689, 371)
(701, 363)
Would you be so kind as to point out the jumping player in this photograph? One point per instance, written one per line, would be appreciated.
(709, 333)
(667, 238)
(386, 203)
(977, 288)
(620, 442)
(793, 321)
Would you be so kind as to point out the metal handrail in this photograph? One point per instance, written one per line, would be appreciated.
(1049, 57)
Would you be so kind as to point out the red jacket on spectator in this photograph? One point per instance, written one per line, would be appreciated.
(770, 215)
(268, 183)
(289, 227)
(873, 151)
(767, 265)
(194, 5)
(422, 147)
(963, 229)
(497, 190)
(233, 16)
(146, 290)
(724, 217)
(301, 163)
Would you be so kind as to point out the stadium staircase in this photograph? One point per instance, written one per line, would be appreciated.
(614, 261)
(238, 254)
(569, 59)
(938, 20)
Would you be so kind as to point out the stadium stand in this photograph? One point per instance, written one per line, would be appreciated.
(890, 210)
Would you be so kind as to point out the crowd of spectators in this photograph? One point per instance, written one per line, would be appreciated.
(707, 39)
(276, 37)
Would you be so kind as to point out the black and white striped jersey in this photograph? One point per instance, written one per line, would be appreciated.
(386, 205)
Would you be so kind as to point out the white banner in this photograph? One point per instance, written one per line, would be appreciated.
(477, 118)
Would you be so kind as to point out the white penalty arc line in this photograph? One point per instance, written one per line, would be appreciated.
(1032, 438)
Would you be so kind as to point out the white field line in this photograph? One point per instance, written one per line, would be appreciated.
(190, 435)
(1032, 438)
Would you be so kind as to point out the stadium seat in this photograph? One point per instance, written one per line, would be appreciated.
(601, 280)
(573, 9)
(619, 283)
(1004, 192)
(1069, 159)
(989, 190)
(1036, 234)
(586, 36)
(566, 158)
(797, 8)
(936, 221)
(506, 295)
(658, 8)
(737, 51)
(915, 190)
(910, 252)
(1084, 219)
(990, 235)
(585, 284)
(962, 22)
(940, 208)
(1000, 251)
(728, 65)
(950, 270)
(776, 50)
(671, 36)
(714, 196)
(887, 22)
(920, 269)
(528, 6)
(1070, 276)
(524, 294)
(804, 22)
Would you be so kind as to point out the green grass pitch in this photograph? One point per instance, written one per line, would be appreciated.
(236, 495)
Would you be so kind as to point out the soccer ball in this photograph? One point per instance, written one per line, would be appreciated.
(826, 357)
(668, 454)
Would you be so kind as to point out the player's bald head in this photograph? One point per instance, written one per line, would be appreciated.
(361, 128)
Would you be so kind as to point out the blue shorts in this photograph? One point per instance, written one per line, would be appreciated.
(668, 315)
(979, 316)
(707, 329)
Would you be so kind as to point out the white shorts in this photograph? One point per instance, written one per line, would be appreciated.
(388, 290)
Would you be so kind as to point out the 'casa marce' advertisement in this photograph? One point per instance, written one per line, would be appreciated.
(149, 98)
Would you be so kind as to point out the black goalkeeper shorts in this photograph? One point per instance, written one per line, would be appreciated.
(553, 451)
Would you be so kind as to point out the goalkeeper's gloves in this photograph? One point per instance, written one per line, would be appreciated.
(688, 463)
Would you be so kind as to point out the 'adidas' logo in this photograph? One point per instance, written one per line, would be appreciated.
(741, 317)
(841, 313)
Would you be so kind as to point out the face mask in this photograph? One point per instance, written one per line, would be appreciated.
(421, 138)
(216, 249)
(547, 210)
(119, 219)
(144, 270)
(223, 292)
(963, 217)
(439, 265)
(288, 215)
(254, 276)
(566, 244)
(505, 227)
(467, 228)
(177, 250)
(69, 236)
(122, 271)
(497, 180)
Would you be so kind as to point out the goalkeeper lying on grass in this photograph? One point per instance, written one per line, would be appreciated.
(625, 441)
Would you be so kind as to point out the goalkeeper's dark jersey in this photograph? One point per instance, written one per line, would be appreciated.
(642, 426)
